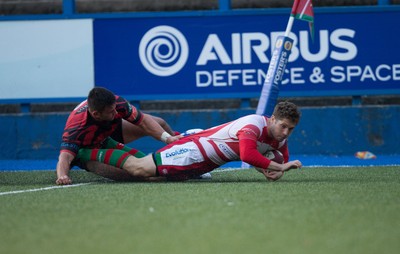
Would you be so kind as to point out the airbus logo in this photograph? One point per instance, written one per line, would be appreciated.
(163, 51)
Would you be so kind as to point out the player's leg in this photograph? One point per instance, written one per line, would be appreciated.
(109, 171)
(82, 160)
(141, 167)
(110, 143)
(137, 167)
(117, 174)
(113, 157)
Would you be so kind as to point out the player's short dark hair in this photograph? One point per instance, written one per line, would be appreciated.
(99, 98)
(287, 110)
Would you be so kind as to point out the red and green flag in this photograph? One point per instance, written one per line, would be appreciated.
(303, 10)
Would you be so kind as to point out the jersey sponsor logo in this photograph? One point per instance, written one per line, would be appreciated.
(226, 150)
(177, 152)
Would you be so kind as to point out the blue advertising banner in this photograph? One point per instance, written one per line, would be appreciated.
(223, 56)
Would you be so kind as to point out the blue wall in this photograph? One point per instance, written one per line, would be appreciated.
(326, 131)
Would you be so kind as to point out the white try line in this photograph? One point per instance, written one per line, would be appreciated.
(42, 189)
(228, 169)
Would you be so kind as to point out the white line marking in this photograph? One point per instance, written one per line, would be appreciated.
(227, 169)
(42, 189)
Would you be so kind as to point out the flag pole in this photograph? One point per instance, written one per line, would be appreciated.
(280, 55)
(291, 18)
(289, 26)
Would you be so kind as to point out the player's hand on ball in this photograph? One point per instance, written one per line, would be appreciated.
(64, 180)
(273, 175)
(292, 165)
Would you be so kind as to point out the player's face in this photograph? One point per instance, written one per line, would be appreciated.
(108, 113)
(281, 128)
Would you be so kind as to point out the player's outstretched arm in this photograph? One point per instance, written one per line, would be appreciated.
(154, 129)
(285, 166)
(292, 165)
(275, 170)
(63, 167)
(163, 124)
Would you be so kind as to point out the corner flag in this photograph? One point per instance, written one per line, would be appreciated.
(303, 10)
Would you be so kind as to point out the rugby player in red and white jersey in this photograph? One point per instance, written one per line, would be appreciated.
(96, 121)
(245, 139)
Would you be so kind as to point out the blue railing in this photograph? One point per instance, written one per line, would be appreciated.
(224, 8)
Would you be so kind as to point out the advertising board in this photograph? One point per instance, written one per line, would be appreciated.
(224, 56)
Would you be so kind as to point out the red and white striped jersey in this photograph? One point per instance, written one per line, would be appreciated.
(244, 139)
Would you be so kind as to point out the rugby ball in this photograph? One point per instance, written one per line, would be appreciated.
(191, 132)
(277, 157)
(273, 175)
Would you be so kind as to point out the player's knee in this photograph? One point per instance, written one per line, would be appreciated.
(140, 167)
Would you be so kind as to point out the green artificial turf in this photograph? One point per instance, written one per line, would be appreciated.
(314, 210)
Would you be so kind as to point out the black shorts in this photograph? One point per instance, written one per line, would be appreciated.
(117, 134)
(77, 163)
